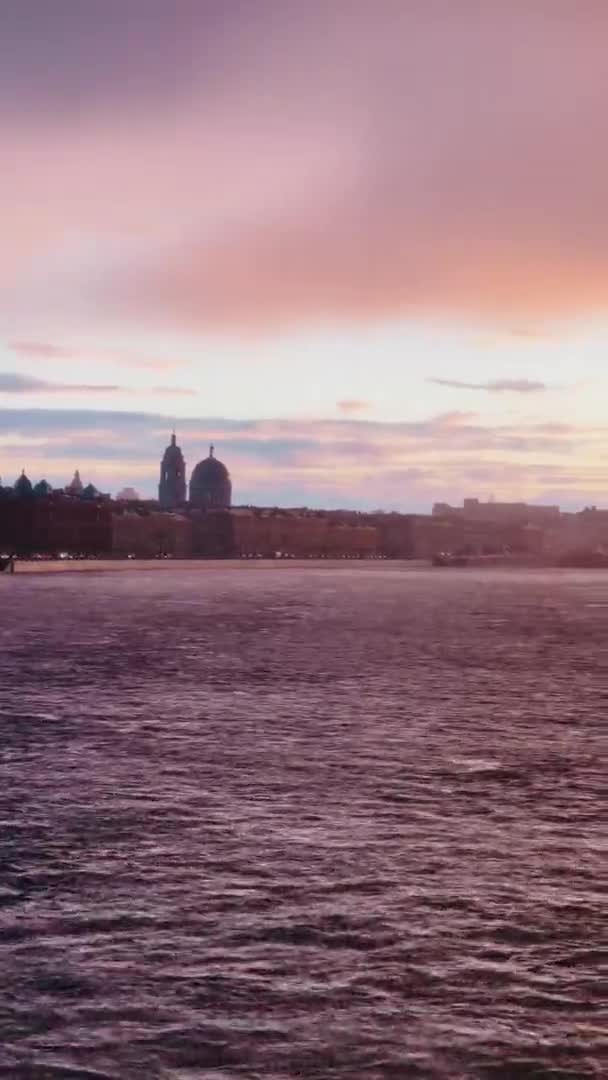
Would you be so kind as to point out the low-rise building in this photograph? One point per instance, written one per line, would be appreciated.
(512, 513)
(149, 533)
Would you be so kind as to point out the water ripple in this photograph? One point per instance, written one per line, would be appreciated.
(315, 824)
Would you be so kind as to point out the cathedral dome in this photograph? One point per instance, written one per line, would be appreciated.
(210, 484)
(23, 486)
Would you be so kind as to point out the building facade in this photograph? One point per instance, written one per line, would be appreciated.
(501, 513)
(54, 523)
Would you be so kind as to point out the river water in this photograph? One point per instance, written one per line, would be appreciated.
(318, 823)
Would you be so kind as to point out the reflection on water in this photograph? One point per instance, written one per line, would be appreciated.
(303, 824)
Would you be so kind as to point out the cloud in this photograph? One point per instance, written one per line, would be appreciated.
(40, 350)
(12, 383)
(335, 462)
(352, 405)
(46, 350)
(327, 160)
(495, 386)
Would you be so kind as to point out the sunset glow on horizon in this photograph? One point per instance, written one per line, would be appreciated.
(360, 247)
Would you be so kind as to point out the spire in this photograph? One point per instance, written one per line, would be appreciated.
(75, 486)
(211, 450)
(172, 486)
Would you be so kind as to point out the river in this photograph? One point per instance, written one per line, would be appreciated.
(314, 823)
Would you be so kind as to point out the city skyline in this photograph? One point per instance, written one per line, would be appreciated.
(363, 255)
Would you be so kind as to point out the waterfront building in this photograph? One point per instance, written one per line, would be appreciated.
(55, 522)
(81, 520)
(210, 484)
(502, 513)
(148, 532)
(172, 486)
(23, 486)
(75, 486)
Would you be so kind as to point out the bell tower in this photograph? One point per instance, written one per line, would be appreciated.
(172, 486)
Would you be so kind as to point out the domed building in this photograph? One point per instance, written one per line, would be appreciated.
(23, 486)
(210, 484)
(172, 486)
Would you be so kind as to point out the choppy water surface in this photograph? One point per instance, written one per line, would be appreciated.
(308, 823)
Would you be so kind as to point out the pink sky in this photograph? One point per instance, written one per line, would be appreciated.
(383, 210)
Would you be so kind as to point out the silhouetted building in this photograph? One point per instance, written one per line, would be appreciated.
(75, 486)
(301, 533)
(23, 486)
(148, 532)
(504, 513)
(172, 486)
(54, 523)
(79, 519)
(210, 484)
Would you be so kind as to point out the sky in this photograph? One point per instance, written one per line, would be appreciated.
(359, 245)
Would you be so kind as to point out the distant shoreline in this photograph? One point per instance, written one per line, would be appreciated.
(92, 566)
(69, 566)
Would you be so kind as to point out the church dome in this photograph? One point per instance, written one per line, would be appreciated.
(210, 484)
(23, 486)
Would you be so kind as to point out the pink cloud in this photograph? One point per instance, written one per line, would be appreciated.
(318, 160)
(46, 350)
(351, 406)
(348, 462)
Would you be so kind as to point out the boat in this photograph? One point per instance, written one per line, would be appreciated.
(445, 558)
(585, 559)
